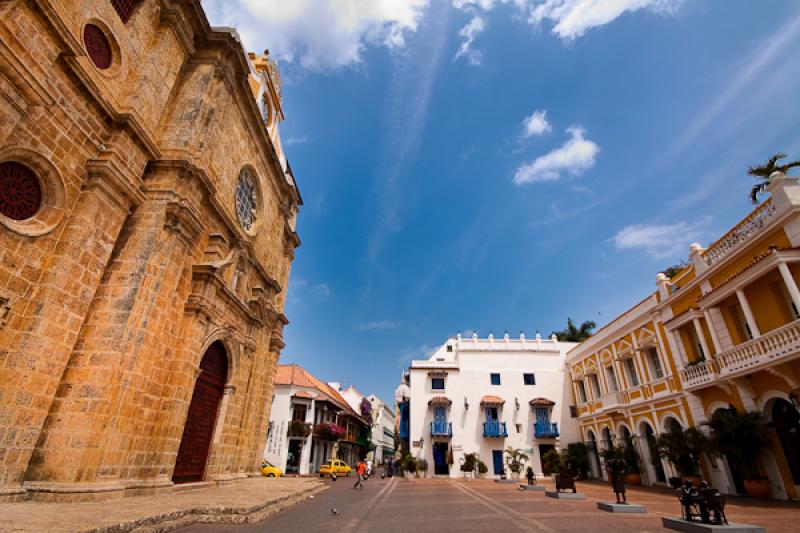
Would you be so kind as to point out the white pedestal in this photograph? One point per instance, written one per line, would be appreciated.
(565, 495)
(614, 507)
(533, 487)
(679, 524)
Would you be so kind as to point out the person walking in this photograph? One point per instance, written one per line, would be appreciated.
(360, 469)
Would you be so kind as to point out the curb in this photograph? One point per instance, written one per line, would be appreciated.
(210, 515)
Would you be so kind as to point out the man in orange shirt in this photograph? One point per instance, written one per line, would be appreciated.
(360, 469)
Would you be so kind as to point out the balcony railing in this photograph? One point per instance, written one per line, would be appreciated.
(494, 428)
(441, 429)
(545, 430)
(768, 348)
(699, 375)
(752, 224)
(611, 400)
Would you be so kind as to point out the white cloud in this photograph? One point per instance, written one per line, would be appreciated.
(318, 34)
(321, 291)
(296, 140)
(660, 240)
(536, 124)
(573, 18)
(475, 26)
(379, 324)
(574, 157)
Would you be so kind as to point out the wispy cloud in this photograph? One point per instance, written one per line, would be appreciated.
(475, 26)
(379, 324)
(661, 240)
(574, 157)
(318, 34)
(572, 18)
(296, 140)
(414, 73)
(321, 291)
(536, 124)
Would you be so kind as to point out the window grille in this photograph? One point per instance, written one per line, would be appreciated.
(125, 8)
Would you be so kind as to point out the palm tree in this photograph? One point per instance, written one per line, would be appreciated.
(515, 460)
(575, 334)
(765, 171)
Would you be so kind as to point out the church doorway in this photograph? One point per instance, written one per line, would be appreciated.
(201, 420)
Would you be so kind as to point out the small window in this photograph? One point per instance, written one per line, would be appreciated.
(519, 428)
(125, 8)
(437, 383)
(573, 411)
(655, 364)
(581, 392)
(495, 378)
(449, 348)
(634, 377)
(611, 377)
(529, 379)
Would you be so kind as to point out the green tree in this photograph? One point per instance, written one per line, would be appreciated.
(575, 334)
(763, 173)
(740, 437)
(515, 459)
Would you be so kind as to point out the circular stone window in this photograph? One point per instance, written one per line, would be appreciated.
(20, 191)
(246, 200)
(97, 46)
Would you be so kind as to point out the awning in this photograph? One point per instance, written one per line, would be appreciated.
(440, 400)
(492, 400)
(541, 402)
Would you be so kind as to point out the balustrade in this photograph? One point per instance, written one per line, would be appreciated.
(494, 428)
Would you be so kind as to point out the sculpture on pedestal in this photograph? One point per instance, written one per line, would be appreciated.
(704, 503)
(565, 479)
(617, 469)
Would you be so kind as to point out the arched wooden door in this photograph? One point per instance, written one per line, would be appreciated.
(190, 464)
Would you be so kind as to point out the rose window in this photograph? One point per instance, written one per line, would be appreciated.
(246, 200)
(20, 191)
(97, 46)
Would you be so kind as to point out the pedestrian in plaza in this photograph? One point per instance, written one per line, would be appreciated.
(361, 469)
(369, 468)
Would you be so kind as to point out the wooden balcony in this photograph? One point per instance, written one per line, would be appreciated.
(441, 429)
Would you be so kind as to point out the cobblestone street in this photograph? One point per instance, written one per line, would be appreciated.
(444, 505)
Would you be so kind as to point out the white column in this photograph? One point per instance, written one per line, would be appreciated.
(677, 345)
(304, 467)
(701, 337)
(791, 285)
(748, 314)
(713, 331)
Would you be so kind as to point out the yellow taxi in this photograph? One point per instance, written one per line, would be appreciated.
(335, 467)
(270, 470)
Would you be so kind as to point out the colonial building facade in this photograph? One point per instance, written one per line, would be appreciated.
(311, 423)
(147, 217)
(481, 396)
(380, 417)
(721, 333)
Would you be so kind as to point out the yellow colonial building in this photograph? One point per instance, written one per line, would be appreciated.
(722, 332)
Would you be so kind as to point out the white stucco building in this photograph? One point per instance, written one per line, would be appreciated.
(484, 395)
(382, 419)
(310, 423)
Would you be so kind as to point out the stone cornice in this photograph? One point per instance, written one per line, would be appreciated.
(107, 173)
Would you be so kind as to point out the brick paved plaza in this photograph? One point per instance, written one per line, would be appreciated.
(482, 505)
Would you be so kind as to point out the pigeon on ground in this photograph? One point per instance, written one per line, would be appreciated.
(334, 511)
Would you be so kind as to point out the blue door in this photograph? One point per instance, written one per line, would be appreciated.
(543, 417)
(497, 459)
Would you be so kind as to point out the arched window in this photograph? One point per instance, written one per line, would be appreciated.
(246, 199)
(125, 8)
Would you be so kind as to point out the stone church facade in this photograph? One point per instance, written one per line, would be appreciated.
(147, 217)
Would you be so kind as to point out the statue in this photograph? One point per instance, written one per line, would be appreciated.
(565, 479)
(701, 503)
(531, 476)
(617, 468)
(715, 503)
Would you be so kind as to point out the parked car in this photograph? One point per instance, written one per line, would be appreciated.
(270, 470)
(335, 467)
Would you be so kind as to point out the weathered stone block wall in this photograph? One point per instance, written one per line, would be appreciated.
(137, 263)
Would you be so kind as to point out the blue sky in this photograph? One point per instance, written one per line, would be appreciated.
(500, 165)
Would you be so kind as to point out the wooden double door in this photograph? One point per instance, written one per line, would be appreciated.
(201, 419)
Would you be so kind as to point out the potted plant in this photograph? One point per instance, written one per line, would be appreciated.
(468, 464)
(409, 465)
(683, 448)
(422, 467)
(612, 453)
(482, 468)
(515, 460)
(577, 455)
(298, 428)
(551, 461)
(741, 436)
(632, 462)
